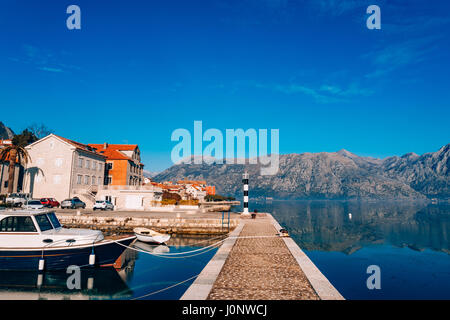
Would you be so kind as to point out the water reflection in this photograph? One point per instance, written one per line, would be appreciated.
(99, 283)
(136, 273)
(347, 226)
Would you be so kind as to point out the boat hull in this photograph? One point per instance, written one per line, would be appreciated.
(106, 253)
(153, 239)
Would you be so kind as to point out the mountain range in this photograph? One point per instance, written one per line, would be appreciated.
(5, 132)
(329, 175)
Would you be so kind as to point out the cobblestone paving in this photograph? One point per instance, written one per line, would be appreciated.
(261, 268)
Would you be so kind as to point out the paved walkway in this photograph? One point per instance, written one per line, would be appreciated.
(261, 268)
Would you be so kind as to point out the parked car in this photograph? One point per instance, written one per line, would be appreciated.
(33, 204)
(17, 199)
(73, 203)
(50, 202)
(103, 205)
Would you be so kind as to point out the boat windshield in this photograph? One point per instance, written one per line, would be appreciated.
(43, 222)
(54, 220)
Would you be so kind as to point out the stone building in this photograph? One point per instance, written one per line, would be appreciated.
(123, 164)
(61, 168)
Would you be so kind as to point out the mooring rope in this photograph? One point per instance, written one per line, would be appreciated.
(164, 289)
(189, 279)
(169, 254)
(201, 250)
(191, 255)
(195, 243)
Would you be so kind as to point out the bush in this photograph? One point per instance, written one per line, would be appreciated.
(218, 197)
(171, 196)
(188, 202)
(166, 202)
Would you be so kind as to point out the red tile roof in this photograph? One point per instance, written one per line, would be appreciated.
(112, 151)
(5, 142)
(196, 182)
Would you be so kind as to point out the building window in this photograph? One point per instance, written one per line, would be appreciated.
(58, 162)
(109, 180)
(94, 180)
(79, 179)
(80, 162)
(99, 180)
(86, 179)
(94, 165)
(109, 165)
(88, 164)
(57, 179)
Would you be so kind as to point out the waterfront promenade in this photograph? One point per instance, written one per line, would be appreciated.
(256, 264)
(179, 222)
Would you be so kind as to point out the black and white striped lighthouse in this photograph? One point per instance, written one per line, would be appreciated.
(245, 182)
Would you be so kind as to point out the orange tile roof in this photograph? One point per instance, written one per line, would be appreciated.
(5, 142)
(112, 151)
(196, 182)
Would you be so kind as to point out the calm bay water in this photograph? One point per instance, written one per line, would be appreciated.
(410, 242)
(141, 275)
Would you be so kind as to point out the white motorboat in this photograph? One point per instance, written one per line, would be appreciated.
(35, 239)
(150, 236)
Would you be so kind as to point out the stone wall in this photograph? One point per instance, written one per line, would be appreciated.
(166, 225)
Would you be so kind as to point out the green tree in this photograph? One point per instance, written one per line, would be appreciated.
(24, 139)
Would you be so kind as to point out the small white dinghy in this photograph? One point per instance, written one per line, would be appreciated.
(153, 248)
(148, 235)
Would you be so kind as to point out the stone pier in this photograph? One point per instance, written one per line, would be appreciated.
(260, 265)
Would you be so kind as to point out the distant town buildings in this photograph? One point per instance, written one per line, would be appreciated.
(187, 189)
(61, 168)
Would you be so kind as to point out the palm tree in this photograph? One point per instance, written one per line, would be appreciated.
(14, 153)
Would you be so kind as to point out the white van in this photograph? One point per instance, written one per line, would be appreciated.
(17, 199)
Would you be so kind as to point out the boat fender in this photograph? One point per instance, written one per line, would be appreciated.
(90, 283)
(92, 258)
(41, 264)
(40, 280)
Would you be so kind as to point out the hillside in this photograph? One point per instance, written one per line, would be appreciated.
(330, 175)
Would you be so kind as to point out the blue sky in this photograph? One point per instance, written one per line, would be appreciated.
(137, 70)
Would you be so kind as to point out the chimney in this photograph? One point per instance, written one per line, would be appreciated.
(105, 145)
